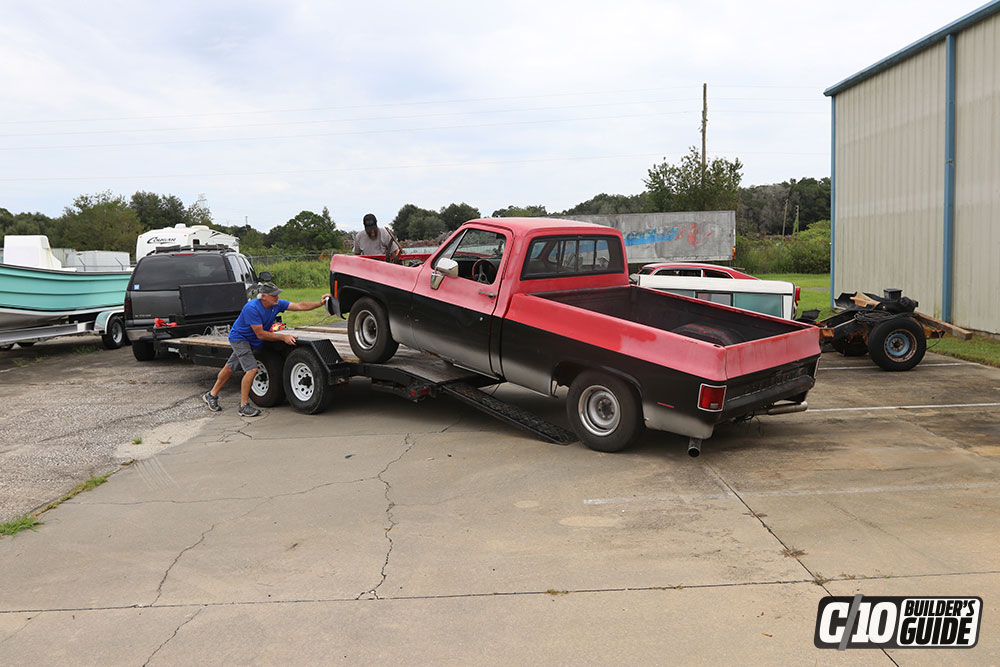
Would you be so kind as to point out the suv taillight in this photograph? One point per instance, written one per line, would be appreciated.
(798, 293)
(128, 306)
(711, 398)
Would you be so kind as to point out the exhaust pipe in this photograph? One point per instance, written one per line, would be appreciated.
(694, 447)
(787, 408)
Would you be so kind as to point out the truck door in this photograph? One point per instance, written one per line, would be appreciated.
(457, 319)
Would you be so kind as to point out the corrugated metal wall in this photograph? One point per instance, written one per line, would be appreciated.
(889, 182)
(977, 177)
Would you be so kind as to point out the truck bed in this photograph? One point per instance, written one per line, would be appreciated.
(676, 314)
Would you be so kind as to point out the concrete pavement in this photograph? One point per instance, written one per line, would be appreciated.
(392, 533)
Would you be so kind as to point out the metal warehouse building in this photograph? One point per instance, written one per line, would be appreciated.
(916, 173)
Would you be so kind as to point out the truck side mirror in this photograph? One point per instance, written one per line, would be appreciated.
(445, 267)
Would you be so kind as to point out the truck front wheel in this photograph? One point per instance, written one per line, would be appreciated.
(368, 331)
(603, 411)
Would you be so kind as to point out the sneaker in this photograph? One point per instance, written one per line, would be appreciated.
(248, 410)
(211, 401)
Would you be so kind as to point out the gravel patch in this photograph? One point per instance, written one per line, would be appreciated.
(72, 410)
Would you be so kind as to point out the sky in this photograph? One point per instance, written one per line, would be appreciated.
(267, 109)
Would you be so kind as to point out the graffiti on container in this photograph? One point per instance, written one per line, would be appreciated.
(694, 234)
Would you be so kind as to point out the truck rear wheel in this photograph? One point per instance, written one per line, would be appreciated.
(897, 344)
(114, 335)
(368, 331)
(603, 411)
(143, 350)
(306, 382)
(268, 388)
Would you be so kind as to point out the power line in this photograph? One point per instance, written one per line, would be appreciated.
(342, 134)
(437, 165)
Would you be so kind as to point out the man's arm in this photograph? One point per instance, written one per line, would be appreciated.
(268, 335)
(308, 305)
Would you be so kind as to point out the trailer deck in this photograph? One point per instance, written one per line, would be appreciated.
(323, 357)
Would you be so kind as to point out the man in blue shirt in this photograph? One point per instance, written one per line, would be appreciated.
(247, 334)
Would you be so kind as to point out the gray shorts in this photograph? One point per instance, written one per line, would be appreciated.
(242, 356)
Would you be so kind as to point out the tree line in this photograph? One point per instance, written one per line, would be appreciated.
(107, 221)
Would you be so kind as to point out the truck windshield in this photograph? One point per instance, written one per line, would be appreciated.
(168, 272)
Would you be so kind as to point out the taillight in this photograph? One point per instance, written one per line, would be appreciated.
(798, 293)
(128, 306)
(711, 398)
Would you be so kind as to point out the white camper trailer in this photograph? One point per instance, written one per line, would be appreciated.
(182, 235)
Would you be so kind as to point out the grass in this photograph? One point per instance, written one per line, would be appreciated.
(26, 522)
(136, 441)
(30, 521)
(306, 317)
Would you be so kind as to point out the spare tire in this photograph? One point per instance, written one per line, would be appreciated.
(717, 335)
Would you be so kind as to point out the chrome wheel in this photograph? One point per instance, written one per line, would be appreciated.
(261, 381)
(366, 332)
(303, 382)
(599, 410)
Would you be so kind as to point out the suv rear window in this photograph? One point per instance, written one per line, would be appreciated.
(168, 272)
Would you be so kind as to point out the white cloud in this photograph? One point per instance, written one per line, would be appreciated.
(272, 108)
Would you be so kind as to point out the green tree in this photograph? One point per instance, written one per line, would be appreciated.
(426, 226)
(100, 222)
(520, 212)
(155, 211)
(198, 213)
(605, 204)
(682, 187)
(401, 223)
(454, 215)
(307, 232)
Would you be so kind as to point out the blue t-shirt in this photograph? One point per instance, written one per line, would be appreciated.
(255, 313)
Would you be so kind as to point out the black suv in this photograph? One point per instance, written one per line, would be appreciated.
(178, 291)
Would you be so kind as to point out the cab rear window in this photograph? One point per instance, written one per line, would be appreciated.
(168, 272)
(561, 256)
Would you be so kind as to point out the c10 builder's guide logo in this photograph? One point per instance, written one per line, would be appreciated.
(898, 622)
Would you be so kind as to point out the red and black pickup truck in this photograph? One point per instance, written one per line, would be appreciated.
(546, 303)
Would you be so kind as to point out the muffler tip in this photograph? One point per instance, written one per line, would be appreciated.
(694, 448)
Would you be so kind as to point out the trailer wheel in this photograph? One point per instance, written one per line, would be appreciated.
(268, 388)
(368, 329)
(897, 344)
(306, 382)
(603, 411)
(143, 350)
(114, 336)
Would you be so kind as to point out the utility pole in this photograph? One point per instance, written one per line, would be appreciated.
(704, 128)
(784, 217)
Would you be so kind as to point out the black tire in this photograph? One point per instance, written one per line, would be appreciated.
(306, 382)
(143, 350)
(115, 336)
(368, 331)
(709, 334)
(897, 344)
(268, 388)
(850, 348)
(604, 411)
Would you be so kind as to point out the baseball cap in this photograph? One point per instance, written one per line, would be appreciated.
(370, 221)
(270, 289)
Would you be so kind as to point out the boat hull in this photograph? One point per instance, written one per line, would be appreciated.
(32, 297)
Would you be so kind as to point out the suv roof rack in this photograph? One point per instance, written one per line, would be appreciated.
(164, 249)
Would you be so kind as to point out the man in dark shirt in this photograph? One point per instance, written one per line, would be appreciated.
(247, 334)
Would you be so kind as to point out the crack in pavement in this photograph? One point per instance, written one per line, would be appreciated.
(450, 596)
(18, 631)
(176, 630)
(372, 594)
